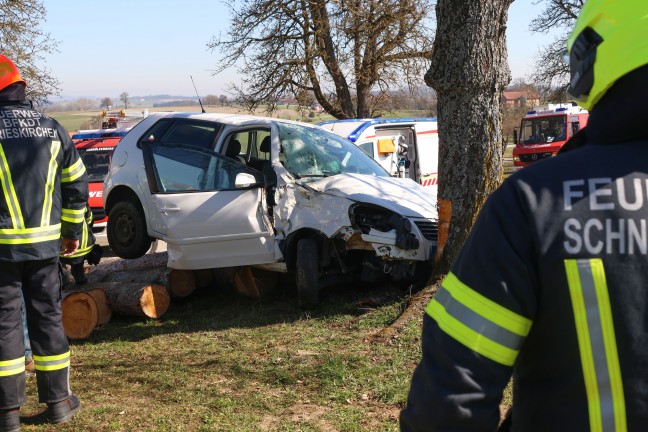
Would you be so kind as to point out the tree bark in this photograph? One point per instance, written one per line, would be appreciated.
(137, 299)
(469, 72)
(80, 314)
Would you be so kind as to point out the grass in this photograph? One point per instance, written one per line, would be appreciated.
(220, 362)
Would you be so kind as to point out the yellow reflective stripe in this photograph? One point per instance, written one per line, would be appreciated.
(73, 172)
(12, 367)
(470, 338)
(595, 331)
(9, 191)
(50, 363)
(30, 235)
(487, 308)
(50, 182)
(73, 216)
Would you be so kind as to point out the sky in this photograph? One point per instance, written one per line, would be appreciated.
(146, 47)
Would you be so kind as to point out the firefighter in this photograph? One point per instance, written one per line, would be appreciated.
(88, 251)
(551, 286)
(44, 193)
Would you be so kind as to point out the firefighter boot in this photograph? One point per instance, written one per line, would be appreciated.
(60, 412)
(78, 273)
(10, 420)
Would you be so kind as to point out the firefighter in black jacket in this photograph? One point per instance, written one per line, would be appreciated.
(551, 285)
(42, 204)
(88, 251)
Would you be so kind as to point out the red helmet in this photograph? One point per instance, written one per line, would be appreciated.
(9, 73)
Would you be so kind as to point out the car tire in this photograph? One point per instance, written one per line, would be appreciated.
(127, 234)
(307, 273)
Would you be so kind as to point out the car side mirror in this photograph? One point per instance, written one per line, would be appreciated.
(515, 136)
(244, 180)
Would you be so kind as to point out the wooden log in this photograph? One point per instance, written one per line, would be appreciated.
(80, 315)
(253, 282)
(181, 283)
(204, 277)
(137, 299)
(103, 307)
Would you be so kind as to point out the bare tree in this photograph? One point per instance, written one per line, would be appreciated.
(124, 99)
(346, 53)
(24, 42)
(106, 103)
(551, 73)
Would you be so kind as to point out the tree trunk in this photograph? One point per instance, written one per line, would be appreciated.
(469, 71)
(136, 299)
(80, 315)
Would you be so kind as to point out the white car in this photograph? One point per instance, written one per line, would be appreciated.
(228, 190)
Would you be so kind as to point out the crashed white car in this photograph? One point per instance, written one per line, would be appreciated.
(228, 190)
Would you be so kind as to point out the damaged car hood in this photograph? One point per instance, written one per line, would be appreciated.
(403, 196)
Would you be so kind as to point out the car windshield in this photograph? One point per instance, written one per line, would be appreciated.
(543, 130)
(314, 152)
(97, 163)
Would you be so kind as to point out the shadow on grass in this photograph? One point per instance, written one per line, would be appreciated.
(219, 308)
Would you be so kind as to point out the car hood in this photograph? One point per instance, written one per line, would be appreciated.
(403, 196)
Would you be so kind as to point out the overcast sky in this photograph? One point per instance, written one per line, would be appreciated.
(147, 47)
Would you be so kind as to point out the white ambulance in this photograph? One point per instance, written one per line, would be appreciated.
(406, 147)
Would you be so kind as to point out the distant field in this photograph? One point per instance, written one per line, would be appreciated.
(73, 120)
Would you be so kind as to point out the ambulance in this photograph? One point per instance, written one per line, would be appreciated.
(544, 130)
(405, 147)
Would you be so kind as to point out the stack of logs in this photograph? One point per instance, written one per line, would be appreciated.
(94, 305)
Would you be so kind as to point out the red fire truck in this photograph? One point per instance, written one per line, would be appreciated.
(544, 130)
(96, 146)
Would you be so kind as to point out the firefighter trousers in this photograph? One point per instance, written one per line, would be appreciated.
(40, 282)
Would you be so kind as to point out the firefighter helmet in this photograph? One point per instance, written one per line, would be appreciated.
(9, 73)
(609, 40)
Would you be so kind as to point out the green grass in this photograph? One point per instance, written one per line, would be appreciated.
(220, 362)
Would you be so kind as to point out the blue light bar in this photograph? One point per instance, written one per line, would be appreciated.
(561, 109)
(532, 112)
(353, 136)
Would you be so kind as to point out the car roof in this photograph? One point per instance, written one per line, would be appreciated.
(228, 118)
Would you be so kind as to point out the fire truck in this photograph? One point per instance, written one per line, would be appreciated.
(96, 146)
(544, 130)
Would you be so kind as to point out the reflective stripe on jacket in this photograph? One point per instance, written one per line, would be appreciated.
(43, 183)
(551, 288)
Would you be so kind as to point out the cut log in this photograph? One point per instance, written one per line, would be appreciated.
(103, 307)
(253, 282)
(204, 278)
(80, 315)
(181, 283)
(137, 299)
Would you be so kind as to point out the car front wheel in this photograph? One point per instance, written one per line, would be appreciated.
(307, 273)
(127, 234)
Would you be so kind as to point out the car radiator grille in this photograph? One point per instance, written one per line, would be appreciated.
(528, 158)
(430, 230)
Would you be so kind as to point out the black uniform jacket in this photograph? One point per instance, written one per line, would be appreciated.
(552, 287)
(43, 186)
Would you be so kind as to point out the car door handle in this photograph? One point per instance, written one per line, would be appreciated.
(169, 209)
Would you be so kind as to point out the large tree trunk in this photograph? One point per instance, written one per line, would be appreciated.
(469, 72)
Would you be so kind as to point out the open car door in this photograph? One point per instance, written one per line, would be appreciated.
(211, 208)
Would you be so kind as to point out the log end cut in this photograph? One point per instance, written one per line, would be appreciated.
(80, 315)
(154, 300)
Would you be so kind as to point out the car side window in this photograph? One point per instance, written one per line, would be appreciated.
(199, 134)
(186, 169)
